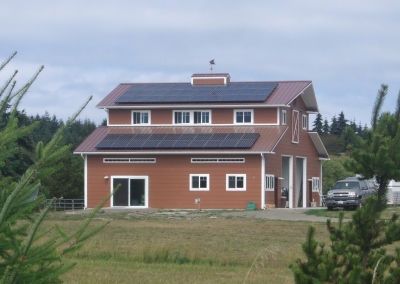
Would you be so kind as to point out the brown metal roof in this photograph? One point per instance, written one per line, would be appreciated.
(283, 94)
(286, 92)
(269, 137)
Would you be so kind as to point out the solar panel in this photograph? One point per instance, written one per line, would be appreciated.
(185, 92)
(179, 141)
(166, 144)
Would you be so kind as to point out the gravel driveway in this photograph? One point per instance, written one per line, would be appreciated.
(295, 214)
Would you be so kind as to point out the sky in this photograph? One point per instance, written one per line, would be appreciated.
(346, 48)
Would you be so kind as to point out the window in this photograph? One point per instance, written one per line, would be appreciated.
(140, 117)
(269, 182)
(243, 116)
(129, 160)
(283, 117)
(218, 160)
(182, 117)
(304, 122)
(236, 182)
(201, 117)
(191, 117)
(315, 184)
(199, 182)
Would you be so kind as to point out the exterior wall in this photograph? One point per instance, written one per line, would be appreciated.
(169, 181)
(209, 81)
(266, 115)
(304, 149)
(119, 116)
(218, 116)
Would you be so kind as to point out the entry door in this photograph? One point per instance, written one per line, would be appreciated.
(132, 191)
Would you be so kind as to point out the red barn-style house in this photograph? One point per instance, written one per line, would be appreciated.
(221, 143)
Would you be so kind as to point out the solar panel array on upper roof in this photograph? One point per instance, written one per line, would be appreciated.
(179, 141)
(187, 93)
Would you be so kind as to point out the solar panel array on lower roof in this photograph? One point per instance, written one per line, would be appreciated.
(186, 93)
(179, 141)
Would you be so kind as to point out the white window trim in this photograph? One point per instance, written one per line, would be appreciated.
(304, 122)
(129, 160)
(243, 110)
(295, 126)
(269, 182)
(316, 184)
(199, 175)
(191, 117)
(141, 111)
(236, 189)
(218, 160)
(284, 117)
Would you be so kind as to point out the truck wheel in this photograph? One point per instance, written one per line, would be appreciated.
(330, 208)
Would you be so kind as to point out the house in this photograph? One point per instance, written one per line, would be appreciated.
(208, 142)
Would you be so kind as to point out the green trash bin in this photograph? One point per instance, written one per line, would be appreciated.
(251, 205)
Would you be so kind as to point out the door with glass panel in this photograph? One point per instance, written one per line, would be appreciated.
(132, 191)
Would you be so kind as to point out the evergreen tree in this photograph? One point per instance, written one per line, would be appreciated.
(325, 127)
(26, 257)
(334, 128)
(317, 124)
(342, 123)
(357, 251)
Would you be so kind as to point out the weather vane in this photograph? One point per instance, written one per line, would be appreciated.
(212, 62)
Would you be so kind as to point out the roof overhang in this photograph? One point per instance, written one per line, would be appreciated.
(184, 106)
(323, 154)
(308, 96)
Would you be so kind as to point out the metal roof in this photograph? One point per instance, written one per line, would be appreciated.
(323, 154)
(268, 138)
(283, 94)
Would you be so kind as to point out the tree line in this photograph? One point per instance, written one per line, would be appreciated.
(333, 134)
(64, 179)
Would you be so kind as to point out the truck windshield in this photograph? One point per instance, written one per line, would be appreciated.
(347, 185)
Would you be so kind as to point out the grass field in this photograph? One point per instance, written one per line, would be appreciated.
(190, 248)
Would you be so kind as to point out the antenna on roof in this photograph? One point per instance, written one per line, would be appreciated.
(212, 62)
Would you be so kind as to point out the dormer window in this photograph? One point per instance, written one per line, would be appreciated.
(140, 117)
(192, 117)
(243, 116)
(304, 122)
(283, 117)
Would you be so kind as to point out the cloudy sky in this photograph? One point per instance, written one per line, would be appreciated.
(347, 48)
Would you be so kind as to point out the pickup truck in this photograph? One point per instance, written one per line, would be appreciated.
(348, 193)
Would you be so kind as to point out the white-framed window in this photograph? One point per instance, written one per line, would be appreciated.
(236, 182)
(217, 160)
(243, 116)
(315, 184)
(141, 117)
(284, 117)
(304, 122)
(129, 160)
(200, 182)
(269, 182)
(192, 117)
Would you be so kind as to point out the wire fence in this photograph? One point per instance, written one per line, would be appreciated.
(66, 204)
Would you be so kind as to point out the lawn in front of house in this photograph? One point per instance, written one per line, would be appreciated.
(186, 249)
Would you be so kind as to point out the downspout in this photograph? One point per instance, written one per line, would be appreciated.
(84, 157)
(320, 183)
(262, 181)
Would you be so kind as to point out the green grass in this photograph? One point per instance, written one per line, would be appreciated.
(323, 212)
(181, 247)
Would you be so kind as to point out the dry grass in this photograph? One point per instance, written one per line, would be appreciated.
(187, 249)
